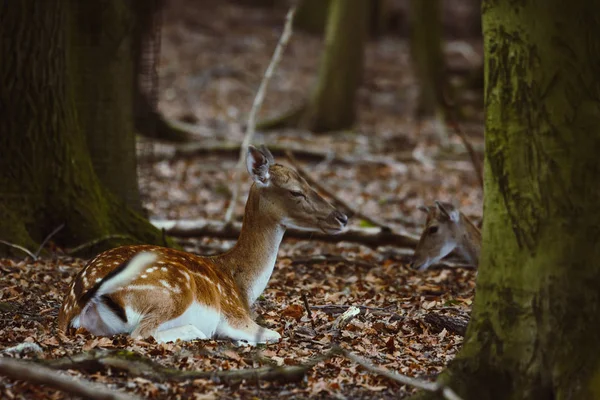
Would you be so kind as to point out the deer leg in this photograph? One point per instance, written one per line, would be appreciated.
(183, 333)
(246, 332)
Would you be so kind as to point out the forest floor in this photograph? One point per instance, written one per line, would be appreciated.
(213, 58)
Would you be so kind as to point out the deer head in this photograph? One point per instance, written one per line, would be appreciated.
(446, 229)
(286, 197)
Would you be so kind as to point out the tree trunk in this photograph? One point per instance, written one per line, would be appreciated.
(426, 50)
(103, 80)
(47, 175)
(332, 106)
(535, 320)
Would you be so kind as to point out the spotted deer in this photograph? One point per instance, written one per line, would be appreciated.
(446, 229)
(170, 294)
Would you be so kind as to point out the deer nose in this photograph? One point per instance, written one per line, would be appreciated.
(340, 217)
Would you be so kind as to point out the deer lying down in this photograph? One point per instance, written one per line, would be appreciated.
(170, 294)
(446, 229)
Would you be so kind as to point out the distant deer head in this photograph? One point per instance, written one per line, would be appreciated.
(446, 229)
(169, 294)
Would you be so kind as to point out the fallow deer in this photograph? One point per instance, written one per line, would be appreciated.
(446, 229)
(169, 294)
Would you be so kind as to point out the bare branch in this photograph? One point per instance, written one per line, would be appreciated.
(340, 202)
(30, 372)
(136, 365)
(94, 242)
(373, 237)
(23, 249)
(453, 121)
(435, 387)
(54, 232)
(258, 100)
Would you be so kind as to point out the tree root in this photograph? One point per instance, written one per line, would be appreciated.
(372, 237)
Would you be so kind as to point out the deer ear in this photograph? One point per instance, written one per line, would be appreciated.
(267, 153)
(425, 209)
(258, 166)
(448, 210)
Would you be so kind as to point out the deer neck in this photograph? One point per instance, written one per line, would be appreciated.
(252, 260)
(470, 244)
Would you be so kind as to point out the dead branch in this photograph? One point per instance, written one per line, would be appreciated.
(136, 365)
(30, 372)
(373, 237)
(436, 387)
(345, 318)
(453, 121)
(232, 149)
(95, 242)
(439, 322)
(23, 249)
(258, 100)
(307, 308)
(50, 235)
(339, 201)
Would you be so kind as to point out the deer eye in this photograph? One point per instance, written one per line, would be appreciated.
(296, 193)
(432, 229)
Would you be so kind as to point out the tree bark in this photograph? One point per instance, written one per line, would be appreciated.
(103, 78)
(47, 176)
(534, 327)
(332, 106)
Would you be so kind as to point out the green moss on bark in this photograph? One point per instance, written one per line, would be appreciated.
(48, 178)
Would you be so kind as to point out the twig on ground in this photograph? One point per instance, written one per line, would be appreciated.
(378, 311)
(308, 312)
(344, 319)
(95, 242)
(136, 365)
(340, 202)
(23, 249)
(258, 100)
(54, 232)
(373, 237)
(436, 387)
(30, 372)
(25, 347)
(453, 122)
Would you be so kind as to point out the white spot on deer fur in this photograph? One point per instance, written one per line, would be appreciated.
(98, 280)
(165, 284)
(163, 269)
(144, 276)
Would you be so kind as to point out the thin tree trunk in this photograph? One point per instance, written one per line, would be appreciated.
(47, 176)
(534, 327)
(426, 49)
(332, 106)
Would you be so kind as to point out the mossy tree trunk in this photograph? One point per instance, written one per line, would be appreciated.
(332, 105)
(426, 50)
(535, 320)
(47, 175)
(103, 78)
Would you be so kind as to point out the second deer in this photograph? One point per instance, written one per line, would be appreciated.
(446, 229)
(169, 294)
